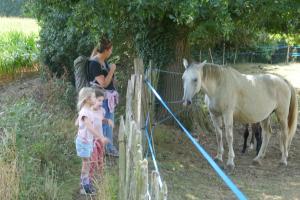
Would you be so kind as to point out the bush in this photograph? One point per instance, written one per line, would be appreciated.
(11, 7)
(63, 38)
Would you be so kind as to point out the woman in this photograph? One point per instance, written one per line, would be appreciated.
(102, 74)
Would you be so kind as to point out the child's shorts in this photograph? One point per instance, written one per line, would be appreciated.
(84, 150)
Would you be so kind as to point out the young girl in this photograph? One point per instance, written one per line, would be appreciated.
(99, 146)
(86, 133)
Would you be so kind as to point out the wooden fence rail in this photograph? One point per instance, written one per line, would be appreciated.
(133, 168)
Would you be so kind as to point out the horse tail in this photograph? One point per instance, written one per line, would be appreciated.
(293, 113)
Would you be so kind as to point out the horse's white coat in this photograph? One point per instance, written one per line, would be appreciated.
(231, 95)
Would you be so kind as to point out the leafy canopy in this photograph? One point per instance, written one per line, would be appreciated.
(153, 29)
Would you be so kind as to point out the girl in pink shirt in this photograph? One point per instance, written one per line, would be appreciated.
(86, 134)
(97, 158)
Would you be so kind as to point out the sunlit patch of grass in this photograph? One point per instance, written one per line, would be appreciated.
(18, 52)
(25, 25)
(18, 49)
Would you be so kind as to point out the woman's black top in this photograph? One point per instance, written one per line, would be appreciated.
(96, 69)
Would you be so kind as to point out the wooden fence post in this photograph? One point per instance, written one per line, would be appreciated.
(133, 169)
(144, 195)
(211, 57)
(200, 56)
(235, 55)
(154, 185)
(129, 101)
(122, 160)
(287, 54)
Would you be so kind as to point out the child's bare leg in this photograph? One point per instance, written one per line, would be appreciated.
(85, 171)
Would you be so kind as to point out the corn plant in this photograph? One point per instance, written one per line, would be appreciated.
(18, 52)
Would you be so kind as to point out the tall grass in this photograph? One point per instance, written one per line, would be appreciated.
(9, 176)
(18, 48)
(107, 184)
(43, 125)
(18, 52)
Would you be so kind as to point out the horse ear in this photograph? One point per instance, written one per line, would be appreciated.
(202, 64)
(185, 63)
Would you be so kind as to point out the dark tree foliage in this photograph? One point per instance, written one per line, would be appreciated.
(11, 7)
(162, 31)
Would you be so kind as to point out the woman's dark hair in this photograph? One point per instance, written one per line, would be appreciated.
(105, 44)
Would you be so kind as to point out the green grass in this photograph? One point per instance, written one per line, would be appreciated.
(42, 123)
(43, 126)
(24, 25)
(18, 45)
(18, 52)
(44, 140)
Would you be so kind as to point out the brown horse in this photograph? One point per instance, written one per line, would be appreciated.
(256, 131)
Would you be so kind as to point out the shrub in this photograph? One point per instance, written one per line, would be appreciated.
(11, 7)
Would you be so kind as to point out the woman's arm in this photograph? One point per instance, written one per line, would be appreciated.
(108, 121)
(105, 81)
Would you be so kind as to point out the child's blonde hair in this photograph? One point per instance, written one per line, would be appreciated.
(84, 94)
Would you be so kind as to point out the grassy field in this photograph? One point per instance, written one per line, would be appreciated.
(37, 152)
(16, 24)
(18, 46)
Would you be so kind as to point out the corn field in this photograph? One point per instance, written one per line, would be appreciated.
(18, 46)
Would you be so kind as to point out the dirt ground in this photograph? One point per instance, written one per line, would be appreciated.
(189, 176)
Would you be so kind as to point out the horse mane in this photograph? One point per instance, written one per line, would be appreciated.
(213, 71)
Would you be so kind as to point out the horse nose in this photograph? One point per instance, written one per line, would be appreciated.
(187, 102)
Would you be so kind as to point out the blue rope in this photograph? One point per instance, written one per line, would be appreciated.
(225, 178)
(172, 102)
(151, 135)
(152, 152)
(295, 54)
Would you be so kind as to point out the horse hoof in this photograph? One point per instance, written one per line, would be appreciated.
(256, 162)
(230, 168)
(219, 163)
(251, 146)
(283, 163)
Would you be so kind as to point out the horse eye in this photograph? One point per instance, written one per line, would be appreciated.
(195, 80)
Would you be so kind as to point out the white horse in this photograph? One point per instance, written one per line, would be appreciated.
(231, 95)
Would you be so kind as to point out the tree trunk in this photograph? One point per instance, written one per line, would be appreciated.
(223, 53)
(170, 85)
(235, 55)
